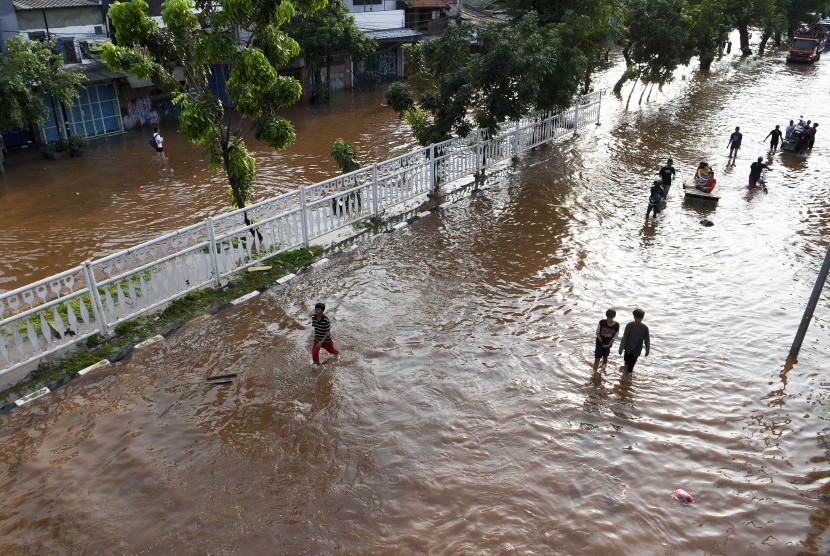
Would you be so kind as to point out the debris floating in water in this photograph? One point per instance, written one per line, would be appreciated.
(682, 496)
(706, 222)
(220, 377)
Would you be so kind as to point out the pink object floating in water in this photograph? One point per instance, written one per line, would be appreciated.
(682, 496)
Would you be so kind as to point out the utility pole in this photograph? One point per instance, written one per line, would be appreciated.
(811, 305)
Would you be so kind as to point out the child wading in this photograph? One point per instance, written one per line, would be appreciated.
(634, 336)
(322, 334)
(654, 198)
(607, 330)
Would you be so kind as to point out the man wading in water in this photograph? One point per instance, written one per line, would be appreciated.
(634, 336)
(735, 143)
(321, 337)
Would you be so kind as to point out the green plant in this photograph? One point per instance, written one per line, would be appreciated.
(76, 144)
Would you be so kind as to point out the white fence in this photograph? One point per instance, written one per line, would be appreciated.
(49, 315)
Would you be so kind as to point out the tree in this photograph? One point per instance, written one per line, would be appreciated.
(331, 30)
(655, 41)
(514, 69)
(345, 155)
(586, 29)
(28, 71)
(708, 26)
(255, 90)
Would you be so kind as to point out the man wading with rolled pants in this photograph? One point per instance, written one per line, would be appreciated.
(634, 336)
(322, 334)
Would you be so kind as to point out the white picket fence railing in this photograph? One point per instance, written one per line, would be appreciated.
(62, 310)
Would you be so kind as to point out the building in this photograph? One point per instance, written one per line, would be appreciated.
(384, 22)
(77, 27)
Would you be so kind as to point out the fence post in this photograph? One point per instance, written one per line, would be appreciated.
(599, 105)
(97, 306)
(304, 216)
(478, 152)
(432, 167)
(576, 117)
(516, 141)
(214, 255)
(375, 191)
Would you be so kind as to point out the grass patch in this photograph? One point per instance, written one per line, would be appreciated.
(177, 312)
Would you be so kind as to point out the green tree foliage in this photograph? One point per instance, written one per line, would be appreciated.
(708, 26)
(655, 41)
(586, 29)
(512, 70)
(29, 70)
(345, 155)
(331, 30)
(185, 49)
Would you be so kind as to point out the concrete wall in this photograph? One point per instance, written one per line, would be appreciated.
(33, 20)
(8, 21)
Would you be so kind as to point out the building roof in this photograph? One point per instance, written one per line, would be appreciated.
(22, 5)
(393, 34)
(427, 3)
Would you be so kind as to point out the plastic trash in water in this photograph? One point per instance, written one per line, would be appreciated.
(682, 496)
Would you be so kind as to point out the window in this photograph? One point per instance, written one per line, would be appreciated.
(367, 2)
(436, 14)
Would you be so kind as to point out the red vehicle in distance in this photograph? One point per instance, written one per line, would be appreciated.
(808, 43)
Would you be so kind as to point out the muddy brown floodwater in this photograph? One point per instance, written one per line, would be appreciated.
(57, 214)
(463, 415)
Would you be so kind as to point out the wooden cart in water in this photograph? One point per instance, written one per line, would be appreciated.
(693, 194)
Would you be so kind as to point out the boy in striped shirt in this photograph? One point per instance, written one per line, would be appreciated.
(322, 334)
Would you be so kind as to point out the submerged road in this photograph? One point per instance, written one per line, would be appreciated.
(463, 415)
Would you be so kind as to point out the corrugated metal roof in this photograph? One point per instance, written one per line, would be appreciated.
(393, 34)
(23, 5)
(428, 3)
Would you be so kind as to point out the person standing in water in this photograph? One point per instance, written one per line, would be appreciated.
(607, 330)
(666, 174)
(321, 337)
(634, 337)
(735, 143)
(775, 135)
(755, 170)
(654, 198)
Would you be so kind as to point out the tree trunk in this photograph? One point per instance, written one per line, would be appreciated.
(586, 84)
(776, 39)
(328, 77)
(706, 55)
(765, 36)
(626, 52)
(743, 33)
(319, 91)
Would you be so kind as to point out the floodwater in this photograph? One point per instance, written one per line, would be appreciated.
(463, 415)
(57, 214)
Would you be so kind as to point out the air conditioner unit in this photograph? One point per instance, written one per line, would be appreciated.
(99, 29)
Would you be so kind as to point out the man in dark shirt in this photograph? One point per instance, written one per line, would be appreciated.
(322, 334)
(735, 142)
(776, 136)
(666, 174)
(607, 330)
(634, 336)
(755, 170)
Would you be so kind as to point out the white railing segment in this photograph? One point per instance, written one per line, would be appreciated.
(62, 310)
